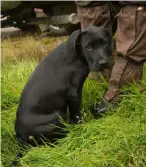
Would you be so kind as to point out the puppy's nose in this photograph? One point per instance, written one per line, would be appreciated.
(103, 64)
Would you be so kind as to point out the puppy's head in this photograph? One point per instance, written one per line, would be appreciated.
(96, 47)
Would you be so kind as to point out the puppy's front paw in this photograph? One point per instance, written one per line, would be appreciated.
(77, 120)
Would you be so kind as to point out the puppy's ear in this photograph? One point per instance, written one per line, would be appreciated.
(77, 43)
(75, 39)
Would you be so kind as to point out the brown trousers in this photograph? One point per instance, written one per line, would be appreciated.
(131, 45)
(131, 33)
(44, 28)
(130, 42)
(98, 16)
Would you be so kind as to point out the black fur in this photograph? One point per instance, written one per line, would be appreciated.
(56, 84)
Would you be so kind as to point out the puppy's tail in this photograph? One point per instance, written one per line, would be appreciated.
(16, 161)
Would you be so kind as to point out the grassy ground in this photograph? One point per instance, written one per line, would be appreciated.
(116, 140)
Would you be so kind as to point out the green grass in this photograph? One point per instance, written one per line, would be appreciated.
(118, 139)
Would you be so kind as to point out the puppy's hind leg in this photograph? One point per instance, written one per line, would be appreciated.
(52, 130)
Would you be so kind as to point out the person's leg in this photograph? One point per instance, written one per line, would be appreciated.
(98, 16)
(131, 42)
(44, 28)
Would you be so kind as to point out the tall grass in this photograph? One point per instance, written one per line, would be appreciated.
(118, 139)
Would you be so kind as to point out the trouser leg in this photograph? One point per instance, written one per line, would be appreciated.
(131, 47)
(131, 50)
(44, 28)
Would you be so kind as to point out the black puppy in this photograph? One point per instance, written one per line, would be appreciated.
(56, 84)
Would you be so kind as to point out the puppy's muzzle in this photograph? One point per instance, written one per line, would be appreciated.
(103, 64)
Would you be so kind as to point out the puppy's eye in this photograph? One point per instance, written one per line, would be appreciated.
(89, 47)
(104, 44)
